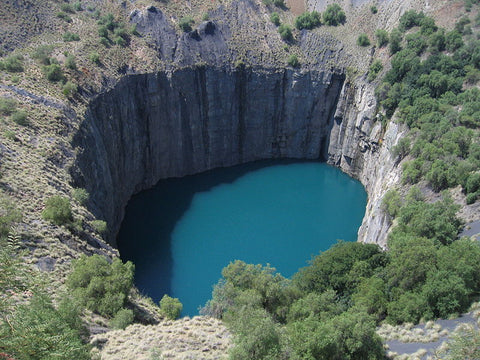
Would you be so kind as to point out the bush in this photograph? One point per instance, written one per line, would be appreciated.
(7, 106)
(100, 226)
(80, 195)
(64, 16)
(42, 54)
(363, 40)
(293, 61)
(410, 19)
(122, 319)
(391, 203)
(275, 18)
(170, 307)
(382, 37)
(53, 72)
(279, 3)
(100, 286)
(334, 15)
(68, 8)
(186, 23)
(285, 32)
(395, 41)
(94, 57)
(70, 62)
(373, 9)
(9, 214)
(69, 89)
(374, 70)
(20, 118)
(103, 31)
(308, 20)
(13, 63)
(58, 210)
(68, 36)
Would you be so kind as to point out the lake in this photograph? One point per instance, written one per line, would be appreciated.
(181, 233)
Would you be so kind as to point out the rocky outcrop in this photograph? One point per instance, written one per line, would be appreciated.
(155, 126)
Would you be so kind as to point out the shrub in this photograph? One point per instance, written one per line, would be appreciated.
(293, 61)
(279, 3)
(80, 195)
(285, 32)
(170, 307)
(58, 210)
(64, 16)
(275, 18)
(391, 203)
(122, 319)
(100, 286)
(68, 36)
(186, 23)
(94, 57)
(373, 9)
(118, 40)
(410, 19)
(363, 40)
(9, 214)
(77, 6)
(374, 70)
(395, 41)
(109, 21)
(334, 15)
(13, 63)
(103, 31)
(69, 89)
(70, 62)
(53, 72)
(20, 118)
(7, 106)
(68, 8)
(42, 54)
(100, 226)
(308, 20)
(382, 37)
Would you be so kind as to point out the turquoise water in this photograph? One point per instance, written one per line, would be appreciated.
(181, 233)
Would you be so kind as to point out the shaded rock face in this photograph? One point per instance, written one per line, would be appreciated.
(154, 126)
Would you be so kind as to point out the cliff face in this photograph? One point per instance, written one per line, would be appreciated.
(162, 125)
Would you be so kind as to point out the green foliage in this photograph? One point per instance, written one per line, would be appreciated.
(122, 319)
(373, 9)
(285, 32)
(20, 117)
(279, 3)
(80, 195)
(100, 226)
(7, 106)
(374, 70)
(94, 57)
(308, 20)
(395, 41)
(64, 16)
(77, 6)
(37, 330)
(293, 61)
(170, 307)
(58, 210)
(103, 31)
(334, 15)
(69, 89)
(410, 19)
(68, 8)
(391, 203)
(108, 21)
(68, 36)
(363, 40)
(9, 215)
(42, 54)
(186, 23)
(100, 286)
(53, 72)
(70, 62)
(382, 37)
(12, 63)
(453, 40)
(402, 148)
(275, 18)
(464, 344)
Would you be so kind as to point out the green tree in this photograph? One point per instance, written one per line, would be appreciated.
(170, 307)
(285, 32)
(100, 286)
(334, 15)
(382, 37)
(293, 61)
(186, 23)
(308, 20)
(275, 18)
(395, 41)
(58, 210)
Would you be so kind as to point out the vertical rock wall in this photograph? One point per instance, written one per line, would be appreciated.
(155, 126)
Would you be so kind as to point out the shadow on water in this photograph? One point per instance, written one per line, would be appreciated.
(151, 216)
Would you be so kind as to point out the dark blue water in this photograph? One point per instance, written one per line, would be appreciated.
(181, 233)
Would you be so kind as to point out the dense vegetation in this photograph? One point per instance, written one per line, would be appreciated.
(430, 88)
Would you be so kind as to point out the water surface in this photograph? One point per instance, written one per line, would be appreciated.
(181, 233)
